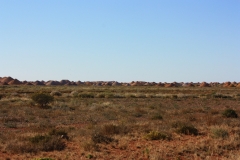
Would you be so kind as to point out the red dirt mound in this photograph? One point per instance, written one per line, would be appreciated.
(38, 83)
(15, 82)
(28, 84)
(64, 81)
(204, 84)
(231, 85)
(226, 84)
(52, 83)
(238, 85)
(6, 79)
(169, 85)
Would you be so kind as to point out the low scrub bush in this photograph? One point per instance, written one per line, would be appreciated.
(90, 146)
(111, 129)
(86, 95)
(100, 95)
(157, 117)
(74, 94)
(36, 144)
(61, 133)
(55, 93)
(155, 135)
(177, 124)
(47, 143)
(187, 129)
(98, 137)
(219, 133)
(230, 113)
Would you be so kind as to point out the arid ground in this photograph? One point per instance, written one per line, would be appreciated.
(120, 122)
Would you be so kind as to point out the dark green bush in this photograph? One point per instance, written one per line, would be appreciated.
(42, 99)
(230, 113)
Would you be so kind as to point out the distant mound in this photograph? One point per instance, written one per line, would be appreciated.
(14, 82)
(238, 85)
(6, 79)
(52, 83)
(204, 84)
(38, 83)
(169, 85)
(28, 84)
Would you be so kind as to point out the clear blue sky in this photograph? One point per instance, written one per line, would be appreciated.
(121, 40)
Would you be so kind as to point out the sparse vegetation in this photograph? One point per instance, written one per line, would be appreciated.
(92, 122)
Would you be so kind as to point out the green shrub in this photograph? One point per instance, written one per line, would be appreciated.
(230, 113)
(42, 99)
(187, 129)
(155, 135)
(219, 133)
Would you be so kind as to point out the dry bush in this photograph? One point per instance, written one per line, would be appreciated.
(155, 135)
(187, 129)
(112, 129)
(55, 93)
(90, 146)
(36, 144)
(86, 95)
(218, 132)
(157, 116)
(98, 137)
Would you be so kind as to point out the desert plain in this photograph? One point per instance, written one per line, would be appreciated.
(118, 120)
